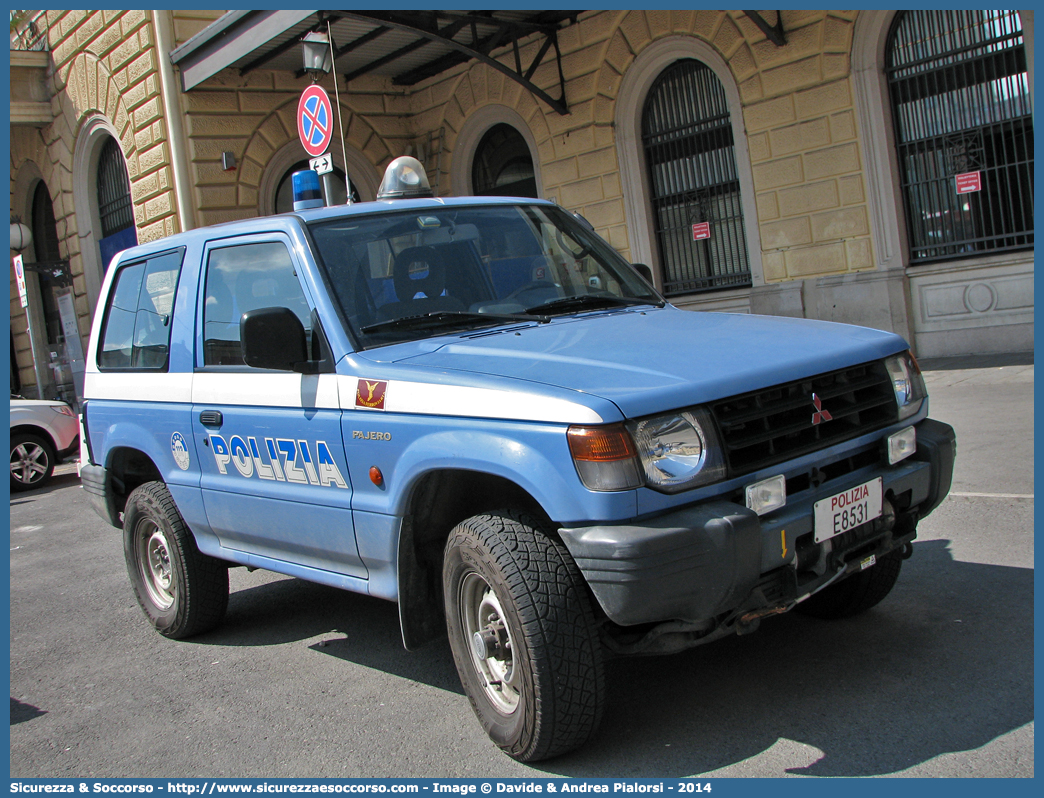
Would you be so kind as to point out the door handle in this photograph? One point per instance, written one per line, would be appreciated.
(211, 418)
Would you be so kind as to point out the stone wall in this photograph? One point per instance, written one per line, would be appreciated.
(797, 107)
(103, 64)
(796, 102)
(254, 116)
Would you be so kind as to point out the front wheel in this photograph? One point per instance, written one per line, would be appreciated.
(522, 634)
(182, 591)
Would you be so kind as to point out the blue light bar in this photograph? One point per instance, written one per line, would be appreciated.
(307, 193)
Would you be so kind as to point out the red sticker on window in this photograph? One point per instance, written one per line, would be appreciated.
(700, 231)
(371, 394)
(969, 182)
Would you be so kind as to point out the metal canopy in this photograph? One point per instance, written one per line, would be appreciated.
(407, 46)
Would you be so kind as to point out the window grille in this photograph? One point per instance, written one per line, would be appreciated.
(114, 199)
(691, 161)
(45, 244)
(963, 130)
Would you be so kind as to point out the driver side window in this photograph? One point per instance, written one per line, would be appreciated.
(243, 278)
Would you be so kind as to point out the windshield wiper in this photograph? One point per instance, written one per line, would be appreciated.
(450, 318)
(584, 301)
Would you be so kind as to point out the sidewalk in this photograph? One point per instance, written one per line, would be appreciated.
(1007, 369)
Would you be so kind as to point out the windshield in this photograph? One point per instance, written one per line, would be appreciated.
(415, 274)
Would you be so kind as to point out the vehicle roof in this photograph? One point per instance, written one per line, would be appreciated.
(283, 220)
(391, 206)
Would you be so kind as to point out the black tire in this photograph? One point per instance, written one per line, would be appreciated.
(182, 591)
(509, 579)
(32, 461)
(856, 593)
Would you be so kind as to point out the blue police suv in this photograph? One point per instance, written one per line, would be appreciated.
(475, 408)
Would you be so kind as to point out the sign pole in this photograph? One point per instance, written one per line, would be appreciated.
(340, 121)
(24, 297)
(315, 128)
(328, 188)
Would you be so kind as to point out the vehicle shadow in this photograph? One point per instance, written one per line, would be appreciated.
(944, 664)
(21, 712)
(55, 483)
(355, 628)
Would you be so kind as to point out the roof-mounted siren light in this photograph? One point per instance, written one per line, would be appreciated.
(404, 178)
(307, 193)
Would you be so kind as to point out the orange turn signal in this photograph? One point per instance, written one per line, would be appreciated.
(605, 457)
(601, 444)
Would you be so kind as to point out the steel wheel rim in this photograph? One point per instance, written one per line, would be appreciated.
(154, 564)
(28, 463)
(481, 614)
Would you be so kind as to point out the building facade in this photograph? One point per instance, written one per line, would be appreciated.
(872, 167)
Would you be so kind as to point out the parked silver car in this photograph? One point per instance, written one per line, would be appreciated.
(42, 434)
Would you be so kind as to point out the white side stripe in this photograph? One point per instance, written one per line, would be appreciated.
(333, 391)
(138, 386)
(452, 400)
(265, 390)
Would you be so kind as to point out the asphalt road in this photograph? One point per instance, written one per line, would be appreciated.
(304, 680)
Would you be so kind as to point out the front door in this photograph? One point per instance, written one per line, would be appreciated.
(274, 477)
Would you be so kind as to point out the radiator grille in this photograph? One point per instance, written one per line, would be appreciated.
(766, 427)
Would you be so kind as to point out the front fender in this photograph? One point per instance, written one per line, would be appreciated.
(533, 456)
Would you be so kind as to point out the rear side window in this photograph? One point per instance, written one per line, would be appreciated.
(243, 278)
(136, 334)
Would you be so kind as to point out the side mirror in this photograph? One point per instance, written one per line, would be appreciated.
(645, 272)
(274, 338)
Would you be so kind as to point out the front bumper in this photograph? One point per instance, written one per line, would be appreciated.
(706, 561)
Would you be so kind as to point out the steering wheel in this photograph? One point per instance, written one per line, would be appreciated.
(536, 287)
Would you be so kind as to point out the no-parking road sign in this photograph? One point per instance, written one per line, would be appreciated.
(315, 120)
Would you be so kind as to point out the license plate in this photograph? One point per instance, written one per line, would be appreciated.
(848, 509)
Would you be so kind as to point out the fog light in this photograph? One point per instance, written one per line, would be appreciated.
(768, 495)
(901, 445)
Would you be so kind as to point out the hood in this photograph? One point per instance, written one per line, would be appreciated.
(649, 360)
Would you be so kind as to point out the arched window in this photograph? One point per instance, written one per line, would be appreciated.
(115, 212)
(284, 198)
(695, 189)
(963, 131)
(45, 246)
(503, 166)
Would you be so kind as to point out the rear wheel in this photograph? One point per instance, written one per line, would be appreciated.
(182, 591)
(856, 593)
(522, 634)
(32, 461)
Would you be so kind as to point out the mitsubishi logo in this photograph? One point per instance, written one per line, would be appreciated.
(820, 415)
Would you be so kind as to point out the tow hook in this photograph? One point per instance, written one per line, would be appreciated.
(750, 621)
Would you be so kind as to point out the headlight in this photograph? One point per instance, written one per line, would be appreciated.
(678, 450)
(907, 383)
